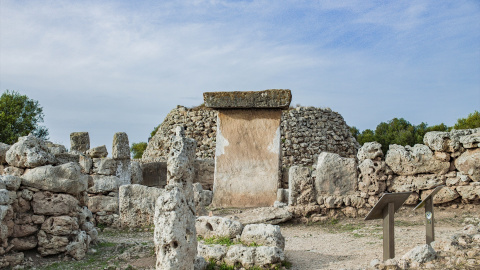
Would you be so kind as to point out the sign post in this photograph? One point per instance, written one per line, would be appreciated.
(385, 209)
(429, 222)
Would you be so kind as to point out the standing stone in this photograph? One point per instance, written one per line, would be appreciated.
(124, 171)
(120, 147)
(175, 236)
(335, 175)
(301, 187)
(79, 141)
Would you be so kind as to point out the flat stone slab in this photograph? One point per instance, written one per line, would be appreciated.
(267, 99)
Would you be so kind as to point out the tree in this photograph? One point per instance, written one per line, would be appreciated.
(20, 116)
(366, 136)
(137, 149)
(355, 132)
(472, 121)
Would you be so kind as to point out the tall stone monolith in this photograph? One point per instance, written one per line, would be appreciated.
(121, 154)
(175, 236)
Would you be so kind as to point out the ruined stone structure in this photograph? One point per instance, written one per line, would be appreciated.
(247, 156)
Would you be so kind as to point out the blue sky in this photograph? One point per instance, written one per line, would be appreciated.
(109, 66)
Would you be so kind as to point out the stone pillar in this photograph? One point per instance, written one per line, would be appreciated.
(79, 141)
(248, 151)
(175, 236)
(121, 154)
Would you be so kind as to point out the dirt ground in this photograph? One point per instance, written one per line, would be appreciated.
(332, 244)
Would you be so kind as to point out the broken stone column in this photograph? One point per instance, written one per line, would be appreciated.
(79, 141)
(247, 155)
(175, 237)
(121, 154)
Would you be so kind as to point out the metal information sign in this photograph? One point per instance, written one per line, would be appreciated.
(385, 209)
(429, 222)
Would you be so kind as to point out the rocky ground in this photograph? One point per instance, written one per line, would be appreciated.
(330, 244)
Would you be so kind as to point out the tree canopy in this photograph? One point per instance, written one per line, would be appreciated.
(137, 149)
(20, 116)
(472, 121)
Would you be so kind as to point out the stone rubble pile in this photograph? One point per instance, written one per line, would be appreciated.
(43, 202)
(352, 186)
(255, 245)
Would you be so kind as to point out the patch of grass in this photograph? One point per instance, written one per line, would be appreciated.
(287, 264)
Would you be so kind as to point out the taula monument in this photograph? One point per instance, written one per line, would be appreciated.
(248, 150)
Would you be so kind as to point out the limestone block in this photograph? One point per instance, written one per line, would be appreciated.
(200, 263)
(413, 198)
(202, 198)
(51, 244)
(263, 235)
(269, 215)
(372, 177)
(217, 227)
(124, 171)
(180, 163)
(11, 259)
(103, 203)
(267, 99)
(421, 254)
(469, 163)
(4, 197)
(300, 184)
(154, 174)
(86, 163)
(460, 179)
(55, 149)
(66, 178)
(470, 192)
(446, 194)
(136, 171)
(24, 243)
(370, 150)
(60, 225)
(216, 252)
(103, 184)
(405, 183)
(104, 166)
(137, 205)
(24, 230)
(98, 152)
(283, 195)
(121, 146)
(78, 248)
(407, 160)
(51, 204)
(175, 237)
(79, 141)
(247, 159)
(240, 255)
(470, 141)
(333, 202)
(13, 171)
(265, 255)
(204, 172)
(335, 175)
(63, 158)
(29, 152)
(3, 152)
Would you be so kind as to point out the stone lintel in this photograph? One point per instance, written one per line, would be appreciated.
(267, 99)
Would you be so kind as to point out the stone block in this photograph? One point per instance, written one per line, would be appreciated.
(263, 235)
(97, 152)
(121, 146)
(154, 174)
(335, 175)
(301, 189)
(217, 227)
(29, 152)
(469, 164)
(407, 160)
(137, 205)
(66, 178)
(267, 99)
(79, 141)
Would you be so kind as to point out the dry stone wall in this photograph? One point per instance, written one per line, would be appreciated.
(305, 133)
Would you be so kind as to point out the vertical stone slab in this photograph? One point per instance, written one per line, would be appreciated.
(247, 158)
(120, 147)
(175, 236)
(79, 141)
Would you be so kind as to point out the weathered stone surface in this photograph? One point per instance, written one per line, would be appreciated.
(124, 171)
(102, 203)
(104, 166)
(29, 152)
(51, 244)
(86, 163)
(204, 173)
(268, 215)
(333, 202)
(175, 238)
(137, 205)
(470, 141)
(121, 146)
(263, 235)
(469, 163)
(98, 152)
(13, 171)
(421, 254)
(447, 141)
(4, 197)
(51, 204)
(180, 164)
(55, 149)
(372, 177)
(78, 248)
(103, 184)
(202, 198)
(24, 230)
(265, 255)
(300, 183)
(267, 99)
(407, 160)
(61, 225)
(446, 194)
(67, 178)
(405, 183)
(335, 175)
(370, 150)
(240, 255)
(154, 174)
(469, 192)
(25, 243)
(79, 141)
(3, 152)
(247, 163)
(200, 263)
(136, 171)
(459, 179)
(216, 252)
(217, 227)
(11, 259)
(63, 158)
